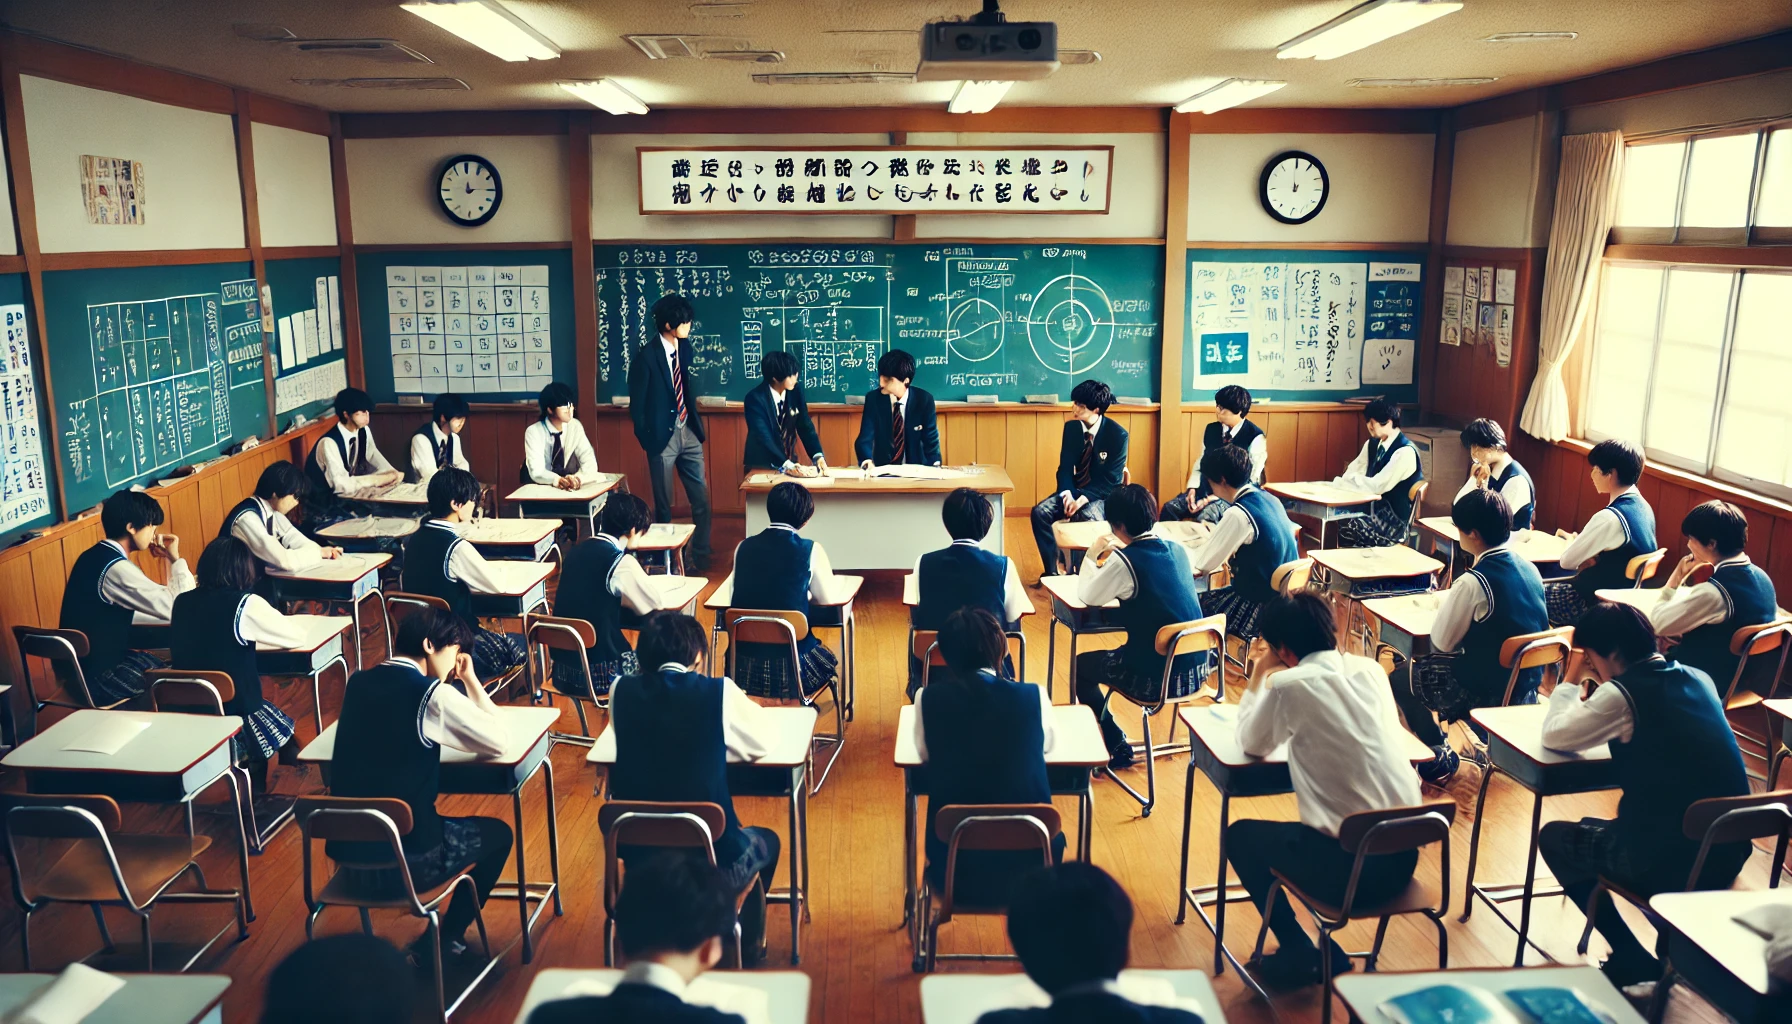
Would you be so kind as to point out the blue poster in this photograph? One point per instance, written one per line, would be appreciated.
(1227, 352)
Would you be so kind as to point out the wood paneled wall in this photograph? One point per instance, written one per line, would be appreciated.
(1466, 382)
(1307, 440)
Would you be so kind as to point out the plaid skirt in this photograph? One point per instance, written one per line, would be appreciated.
(460, 847)
(496, 653)
(1177, 509)
(764, 670)
(1437, 685)
(1565, 604)
(570, 680)
(123, 680)
(1110, 669)
(1241, 612)
(1380, 528)
(269, 729)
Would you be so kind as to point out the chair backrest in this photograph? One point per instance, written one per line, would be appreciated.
(1191, 636)
(1535, 650)
(1125, 475)
(678, 825)
(63, 649)
(1292, 577)
(764, 626)
(189, 691)
(1416, 495)
(58, 820)
(400, 604)
(1012, 827)
(381, 820)
(926, 647)
(1643, 567)
(1396, 830)
(560, 633)
(1739, 819)
(1752, 642)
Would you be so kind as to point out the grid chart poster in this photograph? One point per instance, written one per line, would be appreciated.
(24, 487)
(882, 179)
(469, 329)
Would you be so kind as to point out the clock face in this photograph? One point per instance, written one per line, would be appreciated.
(1294, 187)
(469, 190)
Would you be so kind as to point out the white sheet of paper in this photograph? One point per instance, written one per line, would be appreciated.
(109, 736)
(1387, 361)
(335, 308)
(1502, 335)
(70, 998)
(321, 291)
(1452, 280)
(310, 336)
(286, 354)
(1505, 285)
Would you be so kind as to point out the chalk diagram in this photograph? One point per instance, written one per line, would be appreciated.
(975, 329)
(1070, 324)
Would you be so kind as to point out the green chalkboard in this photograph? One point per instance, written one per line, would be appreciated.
(153, 368)
(26, 484)
(1010, 320)
(494, 325)
(308, 344)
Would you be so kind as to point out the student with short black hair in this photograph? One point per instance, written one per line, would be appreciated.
(1727, 592)
(1336, 715)
(662, 404)
(349, 978)
(1253, 534)
(439, 562)
(1231, 427)
(345, 462)
(778, 416)
(899, 425)
(262, 522)
(1671, 747)
(105, 589)
(1388, 465)
(556, 452)
(778, 569)
(1622, 530)
(964, 574)
(1091, 463)
(1492, 468)
(599, 581)
(436, 445)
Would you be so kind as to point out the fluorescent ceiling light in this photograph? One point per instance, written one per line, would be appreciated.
(488, 25)
(1229, 93)
(977, 97)
(1531, 37)
(1365, 25)
(1415, 83)
(607, 94)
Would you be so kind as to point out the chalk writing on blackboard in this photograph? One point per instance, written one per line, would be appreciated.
(457, 329)
(24, 490)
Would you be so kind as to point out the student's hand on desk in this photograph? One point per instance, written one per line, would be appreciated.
(867, 464)
(1566, 535)
(567, 483)
(803, 471)
(389, 477)
(330, 552)
(166, 546)
(821, 465)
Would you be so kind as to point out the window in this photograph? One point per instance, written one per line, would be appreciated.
(1649, 195)
(1712, 189)
(1773, 215)
(1717, 182)
(1630, 301)
(1755, 442)
(1688, 350)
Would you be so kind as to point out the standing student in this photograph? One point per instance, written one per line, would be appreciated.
(661, 398)
(598, 580)
(777, 569)
(899, 425)
(1151, 579)
(1388, 465)
(964, 575)
(1091, 463)
(1671, 747)
(1494, 469)
(675, 730)
(439, 562)
(436, 445)
(105, 588)
(1622, 530)
(260, 521)
(1254, 534)
(396, 718)
(1734, 594)
(345, 462)
(1499, 598)
(1334, 712)
(556, 452)
(777, 416)
(1231, 406)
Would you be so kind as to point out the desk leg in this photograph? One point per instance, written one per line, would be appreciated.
(242, 834)
(1474, 845)
(1073, 699)
(1086, 819)
(317, 697)
(909, 804)
(850, 632)
(1051, 655)
(1188, 810)
(803, 806)
(522, 875)
(1219, 889)
(547, 765)
(1530, 879)
(798, 786)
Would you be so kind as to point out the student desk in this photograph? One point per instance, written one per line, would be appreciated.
(821, 616)
(1543, 550)
(144, 999)
(1323, 501)
(1406, 621)
(1077, 617)
(1644, 599)
(911, 597)
(174, 760)
(524, 589)
(902, 514)
(1349, 566)
(786, 992)
(782, 774)
(527, 540)
(367, 533)
(1364, 993)
(542, 501)
(963, 998)
(350, 579)
(401, 498)
(1720, 959)
(320, 649)
(1080, 536)
(1515, 747)
(1215, 751)
(525, 756)
(665, 541)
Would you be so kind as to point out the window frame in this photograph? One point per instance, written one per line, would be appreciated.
(1748, 233)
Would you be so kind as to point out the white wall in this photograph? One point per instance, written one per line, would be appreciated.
(193, 196)
(1502, 185)
(9, 239)
(1135, 203)
(1380, 188)
(392, 185)
(293, 192)
(1742, 99)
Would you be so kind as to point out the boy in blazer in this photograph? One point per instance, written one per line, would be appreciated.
(1091, 461)
(662, 403)
(898, 426)
(777, 417)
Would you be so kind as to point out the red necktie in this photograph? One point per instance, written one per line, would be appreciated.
(678, 386)
(898, 442)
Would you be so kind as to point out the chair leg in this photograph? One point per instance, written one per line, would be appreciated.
(485, 942)
(609, 942)
(99, 918)
(435, 945)
(1381, 933)
(1269, 908)
(1443, 939)
(25, 938)
(311, 922)
(149, 946)
(933, 937)
(584, 726)
(366, 921)
(1325, 974)
(1591, 909)
(1658, 1003)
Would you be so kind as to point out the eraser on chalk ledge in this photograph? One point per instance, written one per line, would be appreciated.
(982, 399)
(1042, 399)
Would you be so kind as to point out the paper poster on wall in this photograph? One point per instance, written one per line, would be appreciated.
(286, 352)
(1304, 323)
(1452, 280)
(469, 328)
(1505, 285)
(310, 385)
(335, 308)
(1451, 332)
(1466, 320)
(1486, 284)
(24, 489)
(1471, 283)
(112, 189)
(1484, 335)
(1502, 334)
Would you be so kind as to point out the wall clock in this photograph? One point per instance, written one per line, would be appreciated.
(1294, 187)
(469, 190)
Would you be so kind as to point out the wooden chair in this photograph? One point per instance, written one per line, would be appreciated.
(197, 692)
(1208, 634)
(1519, 654)
(925, 645)
(787, 629)
(1367, 834)
(978, 827)
(548, 633)
(1752, 645)
(67, 849)
(383, 822)
(63, 649)
(400, 604)
(661, 825)
(1642, 568)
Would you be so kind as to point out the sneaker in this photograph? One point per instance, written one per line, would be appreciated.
(1441, 769)
(1121, 757)
(1623, 974)
(1287, 970)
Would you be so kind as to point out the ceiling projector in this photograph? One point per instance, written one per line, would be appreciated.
(988, 48)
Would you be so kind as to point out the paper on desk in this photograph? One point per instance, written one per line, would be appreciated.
(907, 472)
(68, 999)
(1141, 989)
(846, 472)
(108, 736)
(674, 592)
(314, 628)
(754, 1004)
(407, 493)
(372, 526)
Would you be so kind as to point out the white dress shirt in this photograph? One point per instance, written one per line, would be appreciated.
(465, 563)
(1089, 430)
(454, 719)
(1401, 465)
(1112, 580)
(748, 729)
(575, 448)
(1604, 532)
(629, 582)
(259, 622)
(1684, 609)
(1573, 724)
(126, 586)
(423, 453)
(646, 972)
(285, 549)
(337, 474)
(1258, 450)
(778, 398)
(1234, 530)
(1015, 601)
(1045, 721)
(1465, 603)
(824, 586)
(1336, 713)
(1517, 491)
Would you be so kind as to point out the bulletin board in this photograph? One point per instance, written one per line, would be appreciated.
(25, 468)
(1479, 305)
(309, 363)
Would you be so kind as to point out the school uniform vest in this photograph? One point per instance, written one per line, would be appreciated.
(314, 470)
(1516, 606)
(1215, 437)
(1521, 517)
(670, 747)
(585, 594)
(1748, 601)
(985, 745)
(1607, 570)
(251, 508)
(1254, 565)
(381, 752)
(960, 576)
(1681, 750)
(426, 557)
(771, 571)
(1399, 495)
(1164, 593)
(107, 626)
(204, 637)
(442, 453)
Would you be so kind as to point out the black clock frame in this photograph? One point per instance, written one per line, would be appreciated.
(497, 184)
(1263, 185)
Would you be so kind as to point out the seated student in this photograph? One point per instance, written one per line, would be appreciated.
(598, 579)
(1254, 534)
(777, 416)
(1231, 404)
(1622, 530)
(1494, 469)
(1091, 462)
(1388, 465)
(1151, 579)
(964, 575)
(1500, 597)
(898, 426)
(440, 563)
(1335, 712)
(105, 589)
(556, 452)
(1071, 926)
(396, 718)
(260, 521)
(350, 978)
(436, 444)
(1671, 747)
(344, 462)
(1736, 593)
(778, 570)
(675, 728)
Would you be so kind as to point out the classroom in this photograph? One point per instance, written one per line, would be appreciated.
(794, 511)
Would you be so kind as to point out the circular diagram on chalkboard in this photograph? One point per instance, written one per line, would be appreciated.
(974, 330)
(1071, 324)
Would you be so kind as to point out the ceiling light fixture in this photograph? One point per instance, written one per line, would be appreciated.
(1416, 83)
(974, 97)
(1365, 25)
(1531, 37)
(836, 78)
(488, 25)
(605, 93)
(1229, 93)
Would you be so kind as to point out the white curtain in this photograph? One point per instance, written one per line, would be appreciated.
(1586, 199)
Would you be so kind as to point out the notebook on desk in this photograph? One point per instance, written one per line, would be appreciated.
(371, 526)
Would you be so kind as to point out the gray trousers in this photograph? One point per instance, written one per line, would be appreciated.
(683, 456)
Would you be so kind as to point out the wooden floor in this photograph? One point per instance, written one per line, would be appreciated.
(856, 950)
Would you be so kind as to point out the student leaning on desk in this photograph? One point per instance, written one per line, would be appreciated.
(105, 588)
(777, 417)
(261, 522)
(556, 452)
(344, 463)
(1614, 535)
(1713, 592)
(598, 579)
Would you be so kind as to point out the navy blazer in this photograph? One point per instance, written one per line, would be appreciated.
(921, 426)
(629, 1003)
(650, 400)
(765, 442)
(1091, 1008)
(1105, 467)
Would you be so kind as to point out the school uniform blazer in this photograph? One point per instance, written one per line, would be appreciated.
(765, 442)
(1091, 1008)
(920, 424)
(1105, 467)
(650, 400)
(629, 1004)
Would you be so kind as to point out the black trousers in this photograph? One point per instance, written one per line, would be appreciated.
(682, 458)
(1313, 861)
(1050, 511)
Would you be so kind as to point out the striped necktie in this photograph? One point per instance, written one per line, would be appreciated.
(1084, 461)
(678, 386)
(787, 424)
(898, 437)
